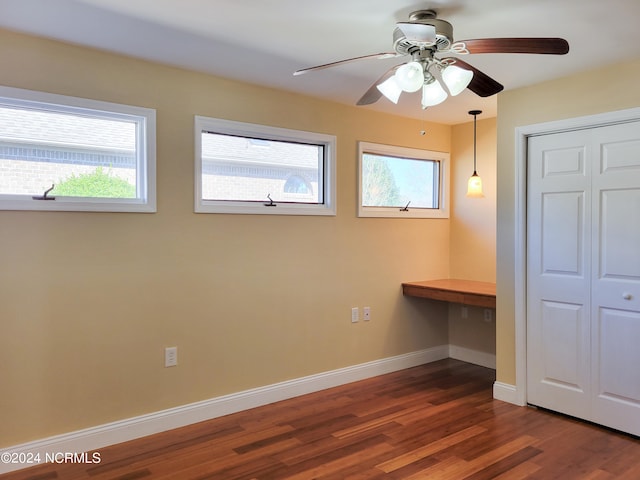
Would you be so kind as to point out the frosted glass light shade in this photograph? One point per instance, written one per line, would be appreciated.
(474, 186)
(390, 89)
(410, 76)
(456, 79)
(433, 94)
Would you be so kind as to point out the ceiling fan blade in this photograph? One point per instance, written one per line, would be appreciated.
(373, 94)
(340, 62)
(548, 46)
(481, 83)
(418, 32)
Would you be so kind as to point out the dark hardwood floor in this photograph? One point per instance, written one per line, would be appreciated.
(435, 421)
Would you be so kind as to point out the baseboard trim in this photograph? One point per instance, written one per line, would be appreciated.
(101, 436)
(473, 356)
(506, 392)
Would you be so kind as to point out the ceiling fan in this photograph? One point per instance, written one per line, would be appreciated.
(428, 40)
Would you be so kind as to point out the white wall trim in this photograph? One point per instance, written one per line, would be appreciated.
(124, 430)
(522, 135)
(473, 356)
(506, 393)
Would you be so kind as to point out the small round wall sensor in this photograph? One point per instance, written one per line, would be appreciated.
(423, 132)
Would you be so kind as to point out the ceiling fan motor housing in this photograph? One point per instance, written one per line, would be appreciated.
(444, 34)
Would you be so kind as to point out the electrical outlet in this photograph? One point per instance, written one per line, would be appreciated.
(465, 312)
(171, 356)
(355, 314)
(366, 313)
(488, 315)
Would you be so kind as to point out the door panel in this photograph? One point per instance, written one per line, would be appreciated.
(562, 239)
(616, 382)
(619, 234)
(622, 152)
(563, 161)
(618, 355)
(563, 352)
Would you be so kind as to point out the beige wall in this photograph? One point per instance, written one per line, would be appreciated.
(88, 301)
(473, 230)
(606, 89)
(473, 223)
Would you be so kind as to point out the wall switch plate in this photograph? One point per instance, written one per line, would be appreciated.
(171, 356)
(366, 313)
(355, 314)
(465, 312)
(488, 315)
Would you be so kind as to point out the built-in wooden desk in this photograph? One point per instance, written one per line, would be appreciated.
(467, 292)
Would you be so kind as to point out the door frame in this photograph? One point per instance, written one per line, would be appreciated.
(522, 134)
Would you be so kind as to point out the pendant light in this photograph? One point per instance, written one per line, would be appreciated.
(474, 186)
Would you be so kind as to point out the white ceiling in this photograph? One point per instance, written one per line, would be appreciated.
(265, 41)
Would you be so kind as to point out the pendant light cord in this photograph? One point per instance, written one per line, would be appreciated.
(474, 145)
(474, 113)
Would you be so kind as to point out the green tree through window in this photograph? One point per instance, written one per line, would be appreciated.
(378, 183)
(95, 184)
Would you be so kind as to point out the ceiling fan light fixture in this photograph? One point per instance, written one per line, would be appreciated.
(424, 38)
(433, 94)
(410, 76)
(456, 79)
(390, 89)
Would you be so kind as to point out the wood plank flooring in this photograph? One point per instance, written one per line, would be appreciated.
(435, 421)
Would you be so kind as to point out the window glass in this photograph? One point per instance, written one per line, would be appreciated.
(397, 182)
(236, 168)
(79, 154)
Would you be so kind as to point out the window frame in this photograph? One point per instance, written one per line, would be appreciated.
(409, 153)
(145, 118)
(255, 131)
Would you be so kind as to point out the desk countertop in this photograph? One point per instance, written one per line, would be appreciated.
(468, 292)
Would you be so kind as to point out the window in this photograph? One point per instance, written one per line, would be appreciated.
(402, 182)
(67, 153)
(247, 168)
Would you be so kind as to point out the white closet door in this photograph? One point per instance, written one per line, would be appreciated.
(615, 325)
(558, 272)
(583, 274)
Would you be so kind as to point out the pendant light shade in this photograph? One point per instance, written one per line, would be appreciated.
(474, 185)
